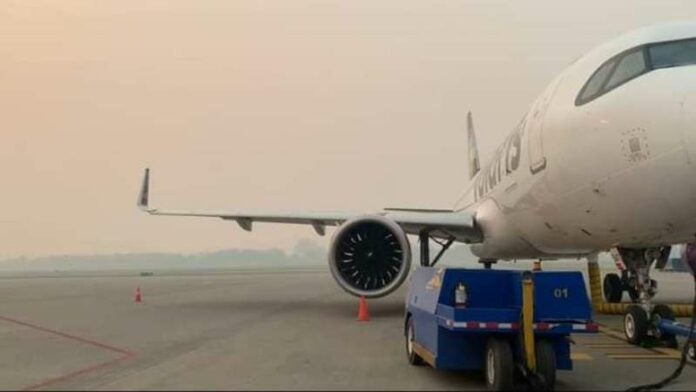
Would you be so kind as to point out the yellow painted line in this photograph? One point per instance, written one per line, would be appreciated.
(651, 353)
(670, 352)
(638, 356)
(612, 333)
(631, 352)
(603, 340)
(580, 357)
(607, 345)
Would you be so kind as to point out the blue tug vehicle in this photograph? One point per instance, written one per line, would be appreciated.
(506, 323)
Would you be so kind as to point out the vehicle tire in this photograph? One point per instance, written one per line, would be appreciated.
(635, 324)
(499, 366)
(613, 288)
(691, 351)
(664, 312)
(546, 363)
(413, 358)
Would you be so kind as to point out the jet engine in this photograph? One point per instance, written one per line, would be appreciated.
(370, 256)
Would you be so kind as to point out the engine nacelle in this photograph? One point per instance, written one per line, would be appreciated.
(370, 256)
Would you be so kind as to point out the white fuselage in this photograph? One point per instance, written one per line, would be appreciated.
(618, 170)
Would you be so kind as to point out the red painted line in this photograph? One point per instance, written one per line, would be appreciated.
(76, 373)
(68, 336)
(125, 354)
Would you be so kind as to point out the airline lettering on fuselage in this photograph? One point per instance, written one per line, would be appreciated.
(505, 161)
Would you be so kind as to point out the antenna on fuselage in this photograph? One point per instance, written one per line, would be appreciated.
(474, 163)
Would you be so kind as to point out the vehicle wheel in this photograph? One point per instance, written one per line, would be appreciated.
(546, 363)
(691, 351)
(413, 358)
(664, 312)
(635, 324)
(499, 365)
(613, 288)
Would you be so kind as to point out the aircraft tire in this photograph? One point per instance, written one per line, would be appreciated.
(635, 324)
(612, 288)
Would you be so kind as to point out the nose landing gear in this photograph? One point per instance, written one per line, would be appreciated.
(664, 327)
(641, 318)
(634, 265)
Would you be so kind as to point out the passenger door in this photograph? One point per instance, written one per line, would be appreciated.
(535, 121)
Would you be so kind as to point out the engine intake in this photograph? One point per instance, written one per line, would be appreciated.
(370, 256)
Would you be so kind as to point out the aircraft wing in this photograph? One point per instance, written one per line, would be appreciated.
(440, 223)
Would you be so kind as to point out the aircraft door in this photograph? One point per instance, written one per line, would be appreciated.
(535, 123)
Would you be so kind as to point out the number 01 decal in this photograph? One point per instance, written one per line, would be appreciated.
(560, 293)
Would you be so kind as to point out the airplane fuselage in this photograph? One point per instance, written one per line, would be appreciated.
(580, 175)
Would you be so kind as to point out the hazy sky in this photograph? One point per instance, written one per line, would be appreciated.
(284, 105)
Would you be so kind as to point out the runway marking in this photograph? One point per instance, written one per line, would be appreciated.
(610, 332)
(68, 336)
(580, 357)
(638, 356)
(632, 352)
(676, 354)
(605, 345)
(71, 375)
(125, 354)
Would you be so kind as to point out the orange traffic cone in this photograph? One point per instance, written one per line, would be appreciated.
(138, 296)
(537, 266)
(363, 314)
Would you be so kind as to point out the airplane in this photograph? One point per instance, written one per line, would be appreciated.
(602, 161)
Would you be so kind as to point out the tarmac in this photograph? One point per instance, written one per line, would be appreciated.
(251, 330)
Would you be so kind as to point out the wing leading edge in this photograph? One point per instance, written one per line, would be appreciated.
(440, 223)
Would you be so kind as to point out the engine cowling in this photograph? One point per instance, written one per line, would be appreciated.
(370, 256)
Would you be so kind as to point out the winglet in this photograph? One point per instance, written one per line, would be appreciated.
(143, 198)
(474, 163)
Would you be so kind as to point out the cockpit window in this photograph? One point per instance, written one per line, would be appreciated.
(594, 85)
(630, 66)
(673, 54)
(634, 63)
